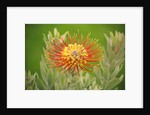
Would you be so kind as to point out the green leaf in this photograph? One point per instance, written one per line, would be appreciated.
(112, 66)
(111, 56)
(121, 78)
(43, 70)
(120, 62)
(50, 80)
(109, 50)
(49, 36)
(111, 35)
(65, 84)
(112, 83)
(56, 34)
(56, 86)
(64, 35)
(45, 39)
(107, 38)
(106, 73)
(114, 74)
(120, 54)
(87, 80)
(40, 84)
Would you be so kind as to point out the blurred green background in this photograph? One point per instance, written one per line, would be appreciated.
(34, 42)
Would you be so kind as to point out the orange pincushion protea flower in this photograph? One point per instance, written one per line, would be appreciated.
(74, 53)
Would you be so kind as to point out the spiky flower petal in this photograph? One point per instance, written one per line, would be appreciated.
(74, 53)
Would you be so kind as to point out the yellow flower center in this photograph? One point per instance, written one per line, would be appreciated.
(74, 54)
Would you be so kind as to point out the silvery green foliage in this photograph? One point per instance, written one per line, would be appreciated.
(108, 70)
(30, 81)
(51, 79)
(106, 73)
(57, 80)
(82, 82)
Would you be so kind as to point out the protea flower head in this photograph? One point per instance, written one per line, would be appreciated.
(74, 53)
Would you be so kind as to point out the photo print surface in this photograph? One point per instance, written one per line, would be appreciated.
(74, 56)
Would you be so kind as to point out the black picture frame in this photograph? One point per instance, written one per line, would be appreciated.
(115, 3)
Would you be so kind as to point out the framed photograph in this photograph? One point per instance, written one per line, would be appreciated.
(75, 61)
(74, 57)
